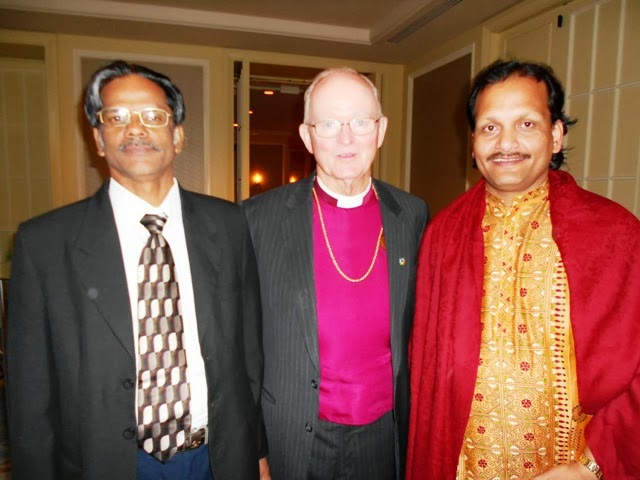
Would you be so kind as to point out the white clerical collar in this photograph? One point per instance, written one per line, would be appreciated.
(345, 201)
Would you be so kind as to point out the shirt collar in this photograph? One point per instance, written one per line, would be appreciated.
(531, 198)
(344, 201)
(129, 208)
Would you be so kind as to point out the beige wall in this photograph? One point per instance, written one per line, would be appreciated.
(25, 185)
(28, 133)
(594, 53)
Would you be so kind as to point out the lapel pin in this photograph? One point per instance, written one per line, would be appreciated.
(402, 261)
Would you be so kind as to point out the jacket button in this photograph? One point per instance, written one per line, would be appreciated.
(129, 433)
(308, 427)
(127, 384)
(314, 384)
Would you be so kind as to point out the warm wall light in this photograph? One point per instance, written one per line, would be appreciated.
(250, 112)
(268, 92)
(257, 178)
(293, 179)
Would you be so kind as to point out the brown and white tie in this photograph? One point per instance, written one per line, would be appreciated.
(163, 389)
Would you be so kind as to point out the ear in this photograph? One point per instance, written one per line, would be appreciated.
(382, 129)
(178, 138)
(557, 132)
(305, 135)
(97, 136)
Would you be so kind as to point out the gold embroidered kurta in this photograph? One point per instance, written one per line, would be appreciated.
(525, 415)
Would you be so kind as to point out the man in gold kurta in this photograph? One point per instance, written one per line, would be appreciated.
(524, 357)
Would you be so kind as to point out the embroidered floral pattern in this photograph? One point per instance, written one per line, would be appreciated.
(525, 378)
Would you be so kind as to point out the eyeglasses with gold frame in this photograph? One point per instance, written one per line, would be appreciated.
(121, 117)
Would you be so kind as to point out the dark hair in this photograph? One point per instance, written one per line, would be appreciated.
(120, 68)
(501, 70)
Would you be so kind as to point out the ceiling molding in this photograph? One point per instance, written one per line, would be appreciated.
(425, 17)
(194, 18)
(345, 29)
(403, 13)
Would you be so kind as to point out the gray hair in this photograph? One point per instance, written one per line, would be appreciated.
(120, 68)
(334, 71)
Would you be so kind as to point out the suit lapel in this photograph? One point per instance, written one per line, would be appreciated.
(204, 260)
(297, 237)
(97, 258)
(398, 261)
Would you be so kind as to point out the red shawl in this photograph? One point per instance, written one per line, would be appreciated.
(600, 246)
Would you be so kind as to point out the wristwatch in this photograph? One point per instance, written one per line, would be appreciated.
(591, 466)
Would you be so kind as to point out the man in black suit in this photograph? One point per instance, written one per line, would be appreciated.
(336, 256)
(79, 387)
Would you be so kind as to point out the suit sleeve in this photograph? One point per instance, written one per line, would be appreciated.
(30, 372)
(423, 220)
(252, 316)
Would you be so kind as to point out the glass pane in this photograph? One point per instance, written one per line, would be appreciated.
(277, 154)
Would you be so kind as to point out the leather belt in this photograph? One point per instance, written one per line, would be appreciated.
(196, 438)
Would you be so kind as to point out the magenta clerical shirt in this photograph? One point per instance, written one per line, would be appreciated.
(356, 377)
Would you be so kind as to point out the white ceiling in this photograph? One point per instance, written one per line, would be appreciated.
(356, 29)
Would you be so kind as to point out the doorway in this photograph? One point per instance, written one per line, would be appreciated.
(439, 135)
(271, 153)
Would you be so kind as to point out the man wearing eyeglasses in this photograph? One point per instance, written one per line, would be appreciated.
(134, 346)
(336, 256)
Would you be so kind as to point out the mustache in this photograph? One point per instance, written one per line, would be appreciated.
(138, 143)
(508, 156)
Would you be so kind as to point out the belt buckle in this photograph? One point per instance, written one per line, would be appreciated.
(197, 438)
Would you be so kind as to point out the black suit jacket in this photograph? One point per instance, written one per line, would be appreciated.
(70, 355)
(280, 222)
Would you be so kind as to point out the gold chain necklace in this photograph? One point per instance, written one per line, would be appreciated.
(333, 258)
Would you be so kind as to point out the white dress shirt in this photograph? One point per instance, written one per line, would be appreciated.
(128, 210)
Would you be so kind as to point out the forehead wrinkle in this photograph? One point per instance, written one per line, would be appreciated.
(338, 105)
(510, 115)
(133, 90)
(515, 94)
